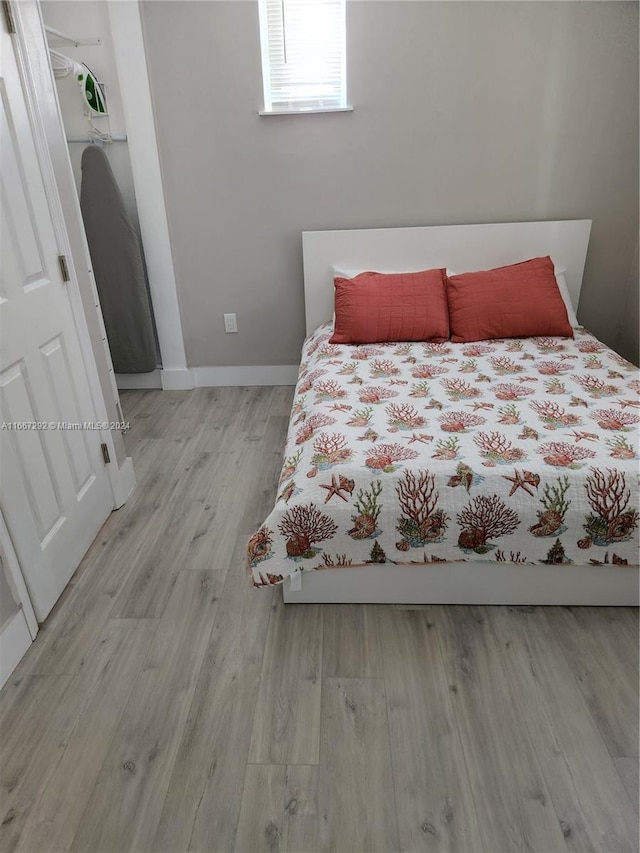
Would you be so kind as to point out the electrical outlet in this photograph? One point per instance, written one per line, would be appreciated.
(230, 323)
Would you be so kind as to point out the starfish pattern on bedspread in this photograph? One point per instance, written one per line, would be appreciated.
(540, 433)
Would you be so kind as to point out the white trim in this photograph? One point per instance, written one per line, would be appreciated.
(469, 583)
(177, 380)
(301, 112)
(268, 374)
(129, 52)
(15, 640)
(15, 577)
(123, 483)
(210, 377)
(129, 381)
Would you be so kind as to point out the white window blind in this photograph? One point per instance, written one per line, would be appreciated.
(303, 54)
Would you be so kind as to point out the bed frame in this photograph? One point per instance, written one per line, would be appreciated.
(458, 247)
(461, 248)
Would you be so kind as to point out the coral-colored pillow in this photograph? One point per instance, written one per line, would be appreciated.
(377, 307)
(518, 301)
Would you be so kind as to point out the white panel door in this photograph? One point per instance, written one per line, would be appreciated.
(54, 488)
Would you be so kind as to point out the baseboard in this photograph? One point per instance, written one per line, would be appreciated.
(177, 380)
(133, 381)
(210, 377)
(267, 374)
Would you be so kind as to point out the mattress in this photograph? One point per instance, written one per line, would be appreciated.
(517, 451)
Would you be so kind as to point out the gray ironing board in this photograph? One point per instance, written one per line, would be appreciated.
(118, 267)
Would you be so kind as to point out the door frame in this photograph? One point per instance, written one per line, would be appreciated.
(20, 629)
(15, 578)
(31, 50)
(127, 41)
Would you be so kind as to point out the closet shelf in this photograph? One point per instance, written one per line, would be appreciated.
(63, 37)
(87, 139)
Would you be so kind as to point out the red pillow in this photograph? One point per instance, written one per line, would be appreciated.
(377, 307)
(517, 301)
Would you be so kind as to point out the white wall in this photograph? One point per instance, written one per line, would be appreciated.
(464, 112)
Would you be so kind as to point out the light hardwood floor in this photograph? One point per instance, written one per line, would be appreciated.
(169, 706)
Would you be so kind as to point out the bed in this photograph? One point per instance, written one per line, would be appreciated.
(491, 472)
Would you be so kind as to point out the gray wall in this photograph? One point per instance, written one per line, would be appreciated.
(464, 112)
(630, 325)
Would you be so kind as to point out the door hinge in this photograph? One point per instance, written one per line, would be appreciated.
(8, 14)
(105, 453)
(64, 268)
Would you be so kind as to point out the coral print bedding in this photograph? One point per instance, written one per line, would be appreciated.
(521, 451)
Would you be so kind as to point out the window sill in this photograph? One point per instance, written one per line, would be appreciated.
(305, 112)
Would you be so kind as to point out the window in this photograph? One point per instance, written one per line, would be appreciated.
(303, 55)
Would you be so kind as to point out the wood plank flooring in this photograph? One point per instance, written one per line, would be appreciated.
(168, 706)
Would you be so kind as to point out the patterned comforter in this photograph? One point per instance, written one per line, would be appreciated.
(522, 451)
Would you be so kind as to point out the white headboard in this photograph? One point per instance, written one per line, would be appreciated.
(460, 247)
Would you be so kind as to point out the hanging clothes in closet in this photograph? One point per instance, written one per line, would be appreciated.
(118, 267)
